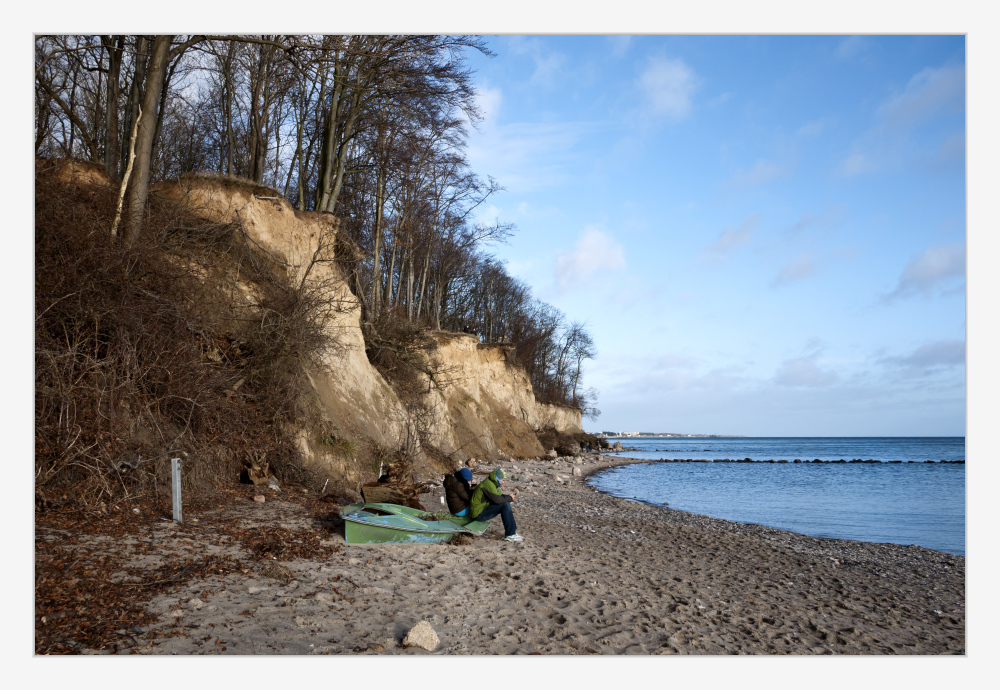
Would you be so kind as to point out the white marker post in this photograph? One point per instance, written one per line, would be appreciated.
(175, 475)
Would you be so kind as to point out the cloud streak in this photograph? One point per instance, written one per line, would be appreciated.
(733, 238)
(548, 63)
(939, 354)
(761, 173)
(802, 372)
(797, 269)
(529, 156)
(929, 95)
(936, 269)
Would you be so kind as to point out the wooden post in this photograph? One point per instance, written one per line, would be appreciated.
(175, 475)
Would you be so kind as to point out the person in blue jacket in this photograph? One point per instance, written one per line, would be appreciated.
(458, 491)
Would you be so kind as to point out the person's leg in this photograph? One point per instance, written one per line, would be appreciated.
(507, 515)
(490, 512)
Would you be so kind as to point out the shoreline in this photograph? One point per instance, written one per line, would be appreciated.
(596, 574)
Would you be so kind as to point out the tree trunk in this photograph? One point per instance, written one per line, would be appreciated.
(423, 283)
(139, 187)
(228, 106)
(161, 111)
(135, 97)
(409, 287)
(392, 268)
(112, 154)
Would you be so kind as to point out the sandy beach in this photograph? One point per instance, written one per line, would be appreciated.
(595, 575)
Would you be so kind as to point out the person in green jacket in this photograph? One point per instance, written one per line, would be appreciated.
(488, 502)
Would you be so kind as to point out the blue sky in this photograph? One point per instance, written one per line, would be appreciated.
(765, 234)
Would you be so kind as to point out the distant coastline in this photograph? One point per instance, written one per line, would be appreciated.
(649, 434)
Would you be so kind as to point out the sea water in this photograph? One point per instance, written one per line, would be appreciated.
(912, 502)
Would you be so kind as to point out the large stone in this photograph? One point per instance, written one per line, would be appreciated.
(422, 635)
(553, 454)
(577, 472)
(259, 499)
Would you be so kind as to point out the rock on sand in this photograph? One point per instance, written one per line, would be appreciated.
(422, 635)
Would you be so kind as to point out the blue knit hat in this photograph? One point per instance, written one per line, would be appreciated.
(466, 474)
(499, 473)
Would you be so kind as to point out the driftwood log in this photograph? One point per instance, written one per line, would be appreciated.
(399, 494)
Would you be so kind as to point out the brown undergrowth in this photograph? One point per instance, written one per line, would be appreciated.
(143, 354)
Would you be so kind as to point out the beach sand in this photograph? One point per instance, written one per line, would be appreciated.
(595, 575)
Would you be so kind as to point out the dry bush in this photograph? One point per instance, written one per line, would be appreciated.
(400, 350)
(553, 439)
(141, 352)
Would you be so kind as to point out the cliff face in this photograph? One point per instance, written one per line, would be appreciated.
(479, 405)
(482, 405)
(565, 420)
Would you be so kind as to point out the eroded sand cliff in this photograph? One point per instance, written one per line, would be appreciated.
(480, 403)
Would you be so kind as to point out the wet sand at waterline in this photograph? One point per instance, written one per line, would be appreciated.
(595, 575)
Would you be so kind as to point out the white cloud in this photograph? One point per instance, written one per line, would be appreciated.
(718, 100)
(529, 156)
(594, 250)
(761, 173)
(938, 267)
(547, 63)
(857, 164)
(668, 86)
(928, 93)
(735, 237)
(673, 361)
(489, 214)
(798, 268)
(826, 218)
(489, 100)
(619, 45)
(950, 153)
(852, 46)
(803, 372)
(811, 129)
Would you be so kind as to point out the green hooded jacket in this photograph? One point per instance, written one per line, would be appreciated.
(487, 492)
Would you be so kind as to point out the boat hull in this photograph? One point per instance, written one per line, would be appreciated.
(385, 523)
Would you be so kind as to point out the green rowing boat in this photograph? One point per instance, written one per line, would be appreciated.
(381, 523)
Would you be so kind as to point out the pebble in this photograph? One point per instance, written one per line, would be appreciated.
(259, 499)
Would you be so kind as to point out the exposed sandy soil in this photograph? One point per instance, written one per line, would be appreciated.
(595, 575)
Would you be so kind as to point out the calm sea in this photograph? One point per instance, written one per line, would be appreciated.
(914, 502)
